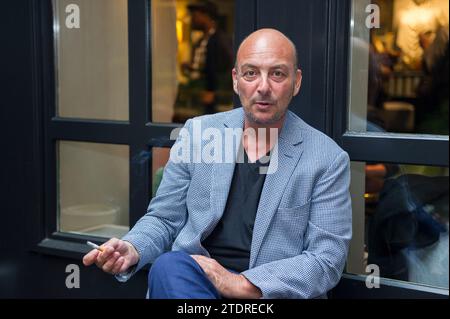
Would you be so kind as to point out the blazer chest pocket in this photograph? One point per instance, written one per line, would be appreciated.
(295, 212)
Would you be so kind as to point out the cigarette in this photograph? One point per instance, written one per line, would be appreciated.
(94, 246)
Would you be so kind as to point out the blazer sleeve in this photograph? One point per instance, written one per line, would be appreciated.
(319, 267)
(166, 214)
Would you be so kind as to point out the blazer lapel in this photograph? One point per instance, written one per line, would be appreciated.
(289, 153)
(222, 174)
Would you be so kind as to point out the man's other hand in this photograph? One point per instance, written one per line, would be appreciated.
(228, 284)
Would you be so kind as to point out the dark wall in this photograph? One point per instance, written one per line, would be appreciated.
(17, 143)
(306, 24)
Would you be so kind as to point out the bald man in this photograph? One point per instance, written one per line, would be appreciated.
(274, 222)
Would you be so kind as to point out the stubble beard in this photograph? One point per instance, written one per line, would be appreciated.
(253, 119)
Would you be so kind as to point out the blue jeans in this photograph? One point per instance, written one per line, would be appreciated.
(176, 275)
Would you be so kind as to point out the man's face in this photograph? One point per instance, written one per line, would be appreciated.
(266, 79)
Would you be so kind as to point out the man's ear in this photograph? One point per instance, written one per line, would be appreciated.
(235, 81)
(298, 82)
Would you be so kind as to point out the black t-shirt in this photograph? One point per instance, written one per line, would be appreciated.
(230, 241)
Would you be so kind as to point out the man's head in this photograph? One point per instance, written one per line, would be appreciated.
(204, 14)
(266, 76)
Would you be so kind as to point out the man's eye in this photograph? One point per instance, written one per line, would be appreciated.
(278, 74)
(249, 73)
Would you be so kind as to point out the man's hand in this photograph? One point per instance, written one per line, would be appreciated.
(116, 256)
(228, 284)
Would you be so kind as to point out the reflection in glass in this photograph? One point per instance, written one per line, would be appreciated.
(191, 58)
(92, 60)
(93, 188)
(399, 72)
(402, 219)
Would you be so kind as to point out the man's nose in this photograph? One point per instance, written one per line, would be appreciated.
(264, 85)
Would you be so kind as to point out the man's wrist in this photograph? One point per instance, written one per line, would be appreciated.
(133, 252)
(248, 290)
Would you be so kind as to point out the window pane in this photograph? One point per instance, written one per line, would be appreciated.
(399, 71)
(400, 222)
(93, 188)
(92, 60)
(191, 59)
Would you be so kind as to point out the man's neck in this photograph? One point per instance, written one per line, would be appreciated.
(259, 145)
(278, 125)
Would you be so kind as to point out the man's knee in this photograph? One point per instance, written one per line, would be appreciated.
(168, 263)
(177, 275)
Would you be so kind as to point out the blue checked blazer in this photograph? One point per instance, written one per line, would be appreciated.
(303, 222)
